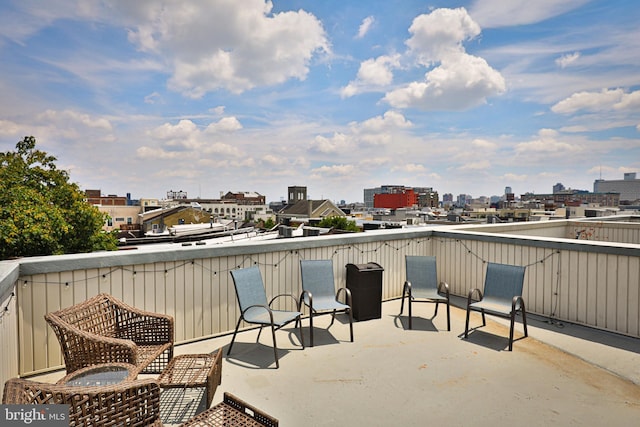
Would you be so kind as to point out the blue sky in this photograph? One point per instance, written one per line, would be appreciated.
(148, 96)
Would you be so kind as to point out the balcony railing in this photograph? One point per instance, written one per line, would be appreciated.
(594, 283)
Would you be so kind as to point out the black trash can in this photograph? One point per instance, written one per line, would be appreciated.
(365, 283)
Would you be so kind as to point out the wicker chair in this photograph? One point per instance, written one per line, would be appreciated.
(130, 403)
(105, 330)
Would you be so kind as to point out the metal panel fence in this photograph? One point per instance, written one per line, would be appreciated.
(595, 284)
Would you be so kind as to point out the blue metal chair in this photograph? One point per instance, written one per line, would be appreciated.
(502, 296)
(320, 295)
(421, 285)
(252, 299)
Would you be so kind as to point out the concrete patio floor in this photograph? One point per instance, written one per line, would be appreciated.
(392, 376)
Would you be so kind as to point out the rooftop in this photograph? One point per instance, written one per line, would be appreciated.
(581, 368)
(562, 374)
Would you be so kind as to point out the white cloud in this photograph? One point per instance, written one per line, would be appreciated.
(483, 144)
(547, 145)
(515, 177)
(461, 82)
(334, 170)
(339, 142)
(498, 13)
(454, 80)
(226, 125)
(605, 100)
(376, 131)
(224, 44)
(479, 165)
(568, 59)
(389, 121)
(373, 74)
(412, 168)
(365, 26)
(71, 118)
(440, 33)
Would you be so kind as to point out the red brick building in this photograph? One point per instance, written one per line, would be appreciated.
(406, 198)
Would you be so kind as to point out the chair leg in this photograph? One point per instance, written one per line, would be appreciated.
(466, 325)
(333, 318)
(404, 291)
(234, 336)
(275, 346)
(513, 320)
(410, 314)
(301, 334)
(351, 323)
(311, 327)
(524, 318)
(448, 317)
(436, 312)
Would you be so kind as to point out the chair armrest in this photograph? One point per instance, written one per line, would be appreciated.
(81, 348)
(471, 293)
(264, 307)
(301, 301)
(444, 285)
(347, 295)
(514, 303)
(283, 295)
(143, 327)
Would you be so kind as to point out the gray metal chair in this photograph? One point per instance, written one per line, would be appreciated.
(254, 308)
(502, 296)
(422, 285)
(320, 295)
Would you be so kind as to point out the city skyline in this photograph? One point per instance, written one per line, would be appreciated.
(466, 97)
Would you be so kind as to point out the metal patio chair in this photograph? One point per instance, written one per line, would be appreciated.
(422, 285)
(255, 309)
(502, 296)
(320, 295)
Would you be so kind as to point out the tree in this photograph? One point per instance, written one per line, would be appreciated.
(41, 212)
(339, 223)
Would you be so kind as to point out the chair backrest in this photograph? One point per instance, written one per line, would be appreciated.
(249, 287)
(421, 272)
(503, 281)
(317, 277)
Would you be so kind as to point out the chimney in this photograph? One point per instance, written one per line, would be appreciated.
(310, 208)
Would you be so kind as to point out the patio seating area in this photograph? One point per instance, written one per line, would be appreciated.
(392, 375)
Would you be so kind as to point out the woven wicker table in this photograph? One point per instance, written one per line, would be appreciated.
(188, 385)
(232, 412)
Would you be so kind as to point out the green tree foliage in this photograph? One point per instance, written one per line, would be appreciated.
(41, 212)
(339, 223)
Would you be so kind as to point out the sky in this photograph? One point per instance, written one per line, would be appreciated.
(211, 96)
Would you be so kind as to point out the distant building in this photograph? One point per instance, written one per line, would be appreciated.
(629, 187)
(405, 199)
(573, 198)
(245, 197)
(308, 209)
(558, 188)
(369, 193)
(174, 195)
(424, 197)
(95, 197)
(296, 194)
